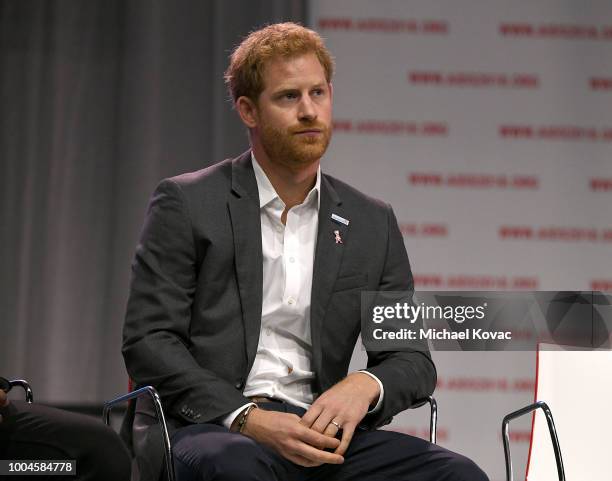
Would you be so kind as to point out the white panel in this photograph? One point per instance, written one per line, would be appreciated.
(577, 386)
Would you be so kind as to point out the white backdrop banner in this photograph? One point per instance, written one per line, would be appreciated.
(487, 126)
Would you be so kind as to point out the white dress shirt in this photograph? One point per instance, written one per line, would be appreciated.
(282, 367)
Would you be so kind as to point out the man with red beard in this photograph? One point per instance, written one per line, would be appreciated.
(245, 298)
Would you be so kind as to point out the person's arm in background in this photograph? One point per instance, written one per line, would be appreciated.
(3, 402)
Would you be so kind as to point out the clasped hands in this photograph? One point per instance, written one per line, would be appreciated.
(309, 440)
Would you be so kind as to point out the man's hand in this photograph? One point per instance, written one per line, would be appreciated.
(345, 404)
(285, 434)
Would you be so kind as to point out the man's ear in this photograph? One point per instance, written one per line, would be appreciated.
(248, 112)
(331, 90)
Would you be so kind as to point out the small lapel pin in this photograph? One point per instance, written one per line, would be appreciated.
(338, 238)
(339, 219)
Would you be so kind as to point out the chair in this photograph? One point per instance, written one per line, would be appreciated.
(433, 416)
(7, 385)
(159, 411)
(551, 429)
(161, 419)
(571, 382)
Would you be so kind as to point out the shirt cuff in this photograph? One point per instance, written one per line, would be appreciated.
(229, 419)
(382, 391)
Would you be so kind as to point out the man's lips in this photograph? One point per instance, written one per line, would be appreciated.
(309, 131)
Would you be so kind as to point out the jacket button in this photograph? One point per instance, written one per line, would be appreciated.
(239, 385)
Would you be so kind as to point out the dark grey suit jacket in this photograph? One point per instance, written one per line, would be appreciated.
(194, 311)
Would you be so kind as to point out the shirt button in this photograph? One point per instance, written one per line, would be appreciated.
(291, 301)
(279, 228)
(268, 331)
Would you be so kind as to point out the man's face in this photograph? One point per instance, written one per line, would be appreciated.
(294, 110)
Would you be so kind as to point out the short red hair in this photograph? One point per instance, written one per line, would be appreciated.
(244, 76)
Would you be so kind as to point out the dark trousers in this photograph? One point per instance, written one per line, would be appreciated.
(208, 452)
(37, 432)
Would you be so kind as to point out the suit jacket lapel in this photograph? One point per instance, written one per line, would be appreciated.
(246, 226)
(328, 257)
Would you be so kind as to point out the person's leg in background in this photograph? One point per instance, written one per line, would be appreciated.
(37, 432)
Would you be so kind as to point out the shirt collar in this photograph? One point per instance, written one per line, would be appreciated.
(267, 193)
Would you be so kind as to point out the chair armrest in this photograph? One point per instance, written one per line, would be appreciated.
(159, 411)
(433, 419)
(551, 429)
(22, 383)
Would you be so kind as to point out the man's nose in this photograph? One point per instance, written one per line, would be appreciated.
(307, 109)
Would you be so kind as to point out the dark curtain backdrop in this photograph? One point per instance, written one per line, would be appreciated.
(99, 100)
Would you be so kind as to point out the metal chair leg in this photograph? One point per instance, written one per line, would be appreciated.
(551, 429)
(147, 390)
(433, 419)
